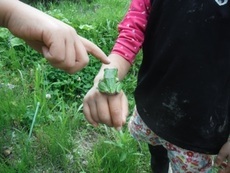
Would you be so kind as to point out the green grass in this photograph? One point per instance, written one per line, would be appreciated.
(50, 134)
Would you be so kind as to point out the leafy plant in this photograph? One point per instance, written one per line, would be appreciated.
(116, 153)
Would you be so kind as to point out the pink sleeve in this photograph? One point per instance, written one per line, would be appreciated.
(131, 30)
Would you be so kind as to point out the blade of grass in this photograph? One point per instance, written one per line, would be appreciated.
(34, 118)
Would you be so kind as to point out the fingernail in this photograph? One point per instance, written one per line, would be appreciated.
(118, 128)
(216, 164)
(95, 125)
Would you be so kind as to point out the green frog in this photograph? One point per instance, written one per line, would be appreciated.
(110, 84)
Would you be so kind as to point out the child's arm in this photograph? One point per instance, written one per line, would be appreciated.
(58, 42)
(131, 30)
(113, 110)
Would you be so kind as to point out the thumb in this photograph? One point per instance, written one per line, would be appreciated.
(45, 52)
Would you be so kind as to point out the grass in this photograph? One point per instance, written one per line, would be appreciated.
(42, 127)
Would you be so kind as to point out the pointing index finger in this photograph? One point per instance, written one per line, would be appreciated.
(94, 50)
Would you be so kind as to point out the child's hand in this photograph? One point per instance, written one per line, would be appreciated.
(58, 42)
(223, 158)
(110, 110)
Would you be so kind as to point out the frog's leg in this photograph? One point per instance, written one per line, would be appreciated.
(102, 87)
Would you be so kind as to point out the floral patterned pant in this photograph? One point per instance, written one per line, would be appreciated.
(181, 160)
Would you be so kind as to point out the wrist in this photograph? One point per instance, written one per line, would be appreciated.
(99, 76)
(96, 80)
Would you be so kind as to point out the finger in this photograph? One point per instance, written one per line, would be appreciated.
(227, 170)
(93, 111)
(55, 61)
(103, 111)
(82, 58)
(219, 159)
(69, 64)
(55, 51)
(94, 50)
(45, 52)
(125, 108)
(227, 165)
(222, 155)
(88, 115)
(115, 111)
(223, 158)
(72, 57)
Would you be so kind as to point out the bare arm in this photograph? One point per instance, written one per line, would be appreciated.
(112, 110)
(59, 42)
